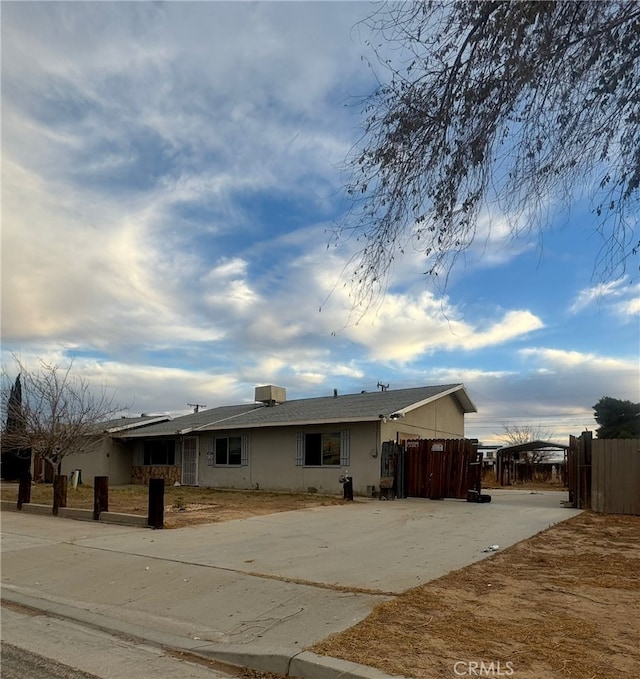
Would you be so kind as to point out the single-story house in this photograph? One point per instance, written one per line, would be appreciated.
(107, 456)
(298, 445)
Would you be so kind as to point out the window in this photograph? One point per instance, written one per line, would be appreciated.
(230, 451)
(323, 450)
(159, 453)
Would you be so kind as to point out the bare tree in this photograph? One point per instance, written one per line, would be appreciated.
(59, 413)
(526, 433)
(517, 105)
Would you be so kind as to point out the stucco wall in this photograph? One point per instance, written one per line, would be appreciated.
(443, 418)
(272, 461)
(271, 452)
(109, 458)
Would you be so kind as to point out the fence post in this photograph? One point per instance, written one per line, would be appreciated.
(100, 496)
(59, 493)
(24, 490)
(156, 503)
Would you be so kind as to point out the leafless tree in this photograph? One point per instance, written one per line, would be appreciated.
(59, 415)
(517, 105)
(525, 433)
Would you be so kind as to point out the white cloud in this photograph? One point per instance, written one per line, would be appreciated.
(404, 327)
(561, 359)
(598, 294)
(628, 308)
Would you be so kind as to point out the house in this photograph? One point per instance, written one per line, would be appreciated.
(299, 445)
(108, 456)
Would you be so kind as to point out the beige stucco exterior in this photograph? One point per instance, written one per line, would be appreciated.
(270, 458)
(109, 457)
(272, 451)
(443, 418)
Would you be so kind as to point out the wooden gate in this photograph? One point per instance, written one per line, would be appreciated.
(443, 468)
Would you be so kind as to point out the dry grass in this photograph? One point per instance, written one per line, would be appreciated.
(184, 505)
(565, 603)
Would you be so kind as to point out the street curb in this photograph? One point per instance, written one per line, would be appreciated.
(136, 520)
(302, 664)
(32, 508)
(308, 665)
(124, 519)
(74, 513)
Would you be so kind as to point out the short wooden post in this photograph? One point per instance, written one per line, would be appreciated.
(59, 493)
(156, 503)
(100, 496)
(24, 490)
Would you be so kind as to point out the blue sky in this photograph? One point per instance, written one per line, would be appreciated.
(171, 179)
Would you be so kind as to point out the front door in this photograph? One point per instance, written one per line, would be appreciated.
(190, 461)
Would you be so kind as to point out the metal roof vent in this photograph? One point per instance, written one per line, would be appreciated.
(271, 395)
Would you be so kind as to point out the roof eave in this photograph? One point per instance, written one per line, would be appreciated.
(136, 425)
(458, 390)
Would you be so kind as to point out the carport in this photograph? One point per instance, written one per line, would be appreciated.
(510, 458)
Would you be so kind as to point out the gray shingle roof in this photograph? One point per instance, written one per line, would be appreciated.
(123, 423)
(366, 406)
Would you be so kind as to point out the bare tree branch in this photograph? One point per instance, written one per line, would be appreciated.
(519, 105)
(60, 414)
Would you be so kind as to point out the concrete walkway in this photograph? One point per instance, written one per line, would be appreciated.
(258, 591)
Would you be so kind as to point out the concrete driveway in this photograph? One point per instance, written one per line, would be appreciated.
(374, 545)
(282, 581)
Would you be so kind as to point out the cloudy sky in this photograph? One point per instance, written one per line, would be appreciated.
(170, 182)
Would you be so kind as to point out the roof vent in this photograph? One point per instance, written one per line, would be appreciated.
(271, 395)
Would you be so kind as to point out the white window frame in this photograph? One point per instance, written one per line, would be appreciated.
(345, 450)
(244, 451)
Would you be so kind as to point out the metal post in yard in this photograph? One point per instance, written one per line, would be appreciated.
(100, 496)
(156, 503)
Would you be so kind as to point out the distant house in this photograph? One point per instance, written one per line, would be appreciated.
(297, 445)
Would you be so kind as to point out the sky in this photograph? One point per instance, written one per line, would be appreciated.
(171, 180)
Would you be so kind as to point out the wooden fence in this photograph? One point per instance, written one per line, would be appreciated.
(615, 476)
(604, 474)
(443, 468)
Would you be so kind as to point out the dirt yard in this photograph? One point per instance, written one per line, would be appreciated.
(565, 603)
(184, 505)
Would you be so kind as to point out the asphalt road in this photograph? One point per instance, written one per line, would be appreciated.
(17, 663)
(39, 646)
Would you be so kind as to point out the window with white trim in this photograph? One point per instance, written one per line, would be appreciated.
(323, 449)
(228, 451)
